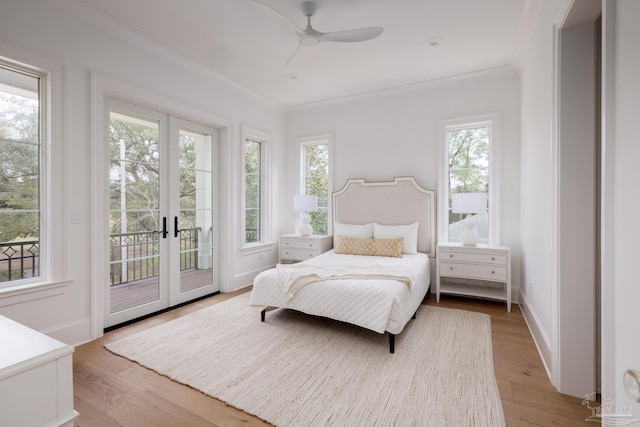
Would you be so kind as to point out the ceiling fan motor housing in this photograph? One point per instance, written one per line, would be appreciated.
(309, 8)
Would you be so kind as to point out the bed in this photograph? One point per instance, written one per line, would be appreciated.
(378, 272)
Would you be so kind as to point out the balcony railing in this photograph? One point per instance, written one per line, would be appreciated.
(19, 260)
(134, 256)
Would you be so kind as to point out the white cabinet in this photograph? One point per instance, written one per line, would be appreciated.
(471, 267)
(36, 378)
(294, 247)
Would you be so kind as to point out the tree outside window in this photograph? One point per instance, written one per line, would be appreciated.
(468, 173)
(315, 176)
(19, 175)
(253, 203)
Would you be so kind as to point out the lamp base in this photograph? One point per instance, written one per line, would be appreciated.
(306, 230)
(469, 236)
(305, 227)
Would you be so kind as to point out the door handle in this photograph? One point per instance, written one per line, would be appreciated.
(164, 231)
(176, 230)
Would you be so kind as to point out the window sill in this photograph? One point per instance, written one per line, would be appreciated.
(255, 248)
(31, 291)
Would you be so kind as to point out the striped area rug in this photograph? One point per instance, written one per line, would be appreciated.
(300, 370)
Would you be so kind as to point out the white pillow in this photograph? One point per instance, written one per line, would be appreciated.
(361, 231)
(409, 234)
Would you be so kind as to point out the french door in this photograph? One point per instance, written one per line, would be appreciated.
(162, 224)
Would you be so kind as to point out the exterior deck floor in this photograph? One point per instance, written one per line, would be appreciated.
(142, 291)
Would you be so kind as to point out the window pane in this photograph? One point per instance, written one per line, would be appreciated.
(468, 173)
(253, 182)
(252, 157)
(19, 175)
(252, 221)
(316, 183)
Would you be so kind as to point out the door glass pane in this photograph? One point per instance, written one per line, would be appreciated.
(134, 218)
(196, 210)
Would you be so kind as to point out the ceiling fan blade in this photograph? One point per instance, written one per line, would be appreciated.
(273, 12)
(357, 35)
(293, 55)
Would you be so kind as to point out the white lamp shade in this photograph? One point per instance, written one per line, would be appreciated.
(469, 203)
(305, 203)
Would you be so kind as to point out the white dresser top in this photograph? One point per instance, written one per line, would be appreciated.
(21, 346)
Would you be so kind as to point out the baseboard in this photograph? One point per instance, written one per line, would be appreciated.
(540, 337)
(243, 280)
(72, 333)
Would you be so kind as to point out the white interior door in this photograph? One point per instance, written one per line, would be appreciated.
(162, 228)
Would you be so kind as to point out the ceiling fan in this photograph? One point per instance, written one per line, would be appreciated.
(309, 37)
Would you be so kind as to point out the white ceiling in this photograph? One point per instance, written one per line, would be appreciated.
(244, 44)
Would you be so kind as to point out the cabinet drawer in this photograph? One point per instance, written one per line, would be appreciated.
(292, 243)
(297, 254)
(473, 271)
(487, 257)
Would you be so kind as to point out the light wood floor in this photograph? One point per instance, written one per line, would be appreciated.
(112, 391)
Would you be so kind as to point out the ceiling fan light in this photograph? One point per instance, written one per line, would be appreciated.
(309, 41)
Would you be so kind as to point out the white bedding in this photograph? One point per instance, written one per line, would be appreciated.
(373, 303)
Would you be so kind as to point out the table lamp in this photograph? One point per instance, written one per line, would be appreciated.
(469, 203)
(305, 204)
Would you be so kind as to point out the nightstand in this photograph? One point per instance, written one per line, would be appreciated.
(478, 264)
(294, 247)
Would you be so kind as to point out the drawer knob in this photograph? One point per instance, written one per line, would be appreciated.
(450, 268)
(493, 272)
(450, 255)
(493, 258)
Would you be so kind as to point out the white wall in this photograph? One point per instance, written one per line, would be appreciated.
(620, 287)
(71, 34)
(537, 180)
(577, 211)
(378, 136)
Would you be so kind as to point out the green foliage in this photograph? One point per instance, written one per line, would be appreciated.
(253, 206)
(468, 163)
(187, 172)
(135, 175)
(19, 168)
(135, 169)
(317, 184)
(469, 160)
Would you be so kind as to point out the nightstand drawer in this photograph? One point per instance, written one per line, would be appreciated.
(297, 254)
(484, 257)
(294, 247)
(473, 271)
(293, 243)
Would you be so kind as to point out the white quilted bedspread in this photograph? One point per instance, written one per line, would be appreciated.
(377, 304)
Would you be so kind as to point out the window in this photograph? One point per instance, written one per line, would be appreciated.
(470, 149)
(256, 187)
(21, 183)
(314, 166)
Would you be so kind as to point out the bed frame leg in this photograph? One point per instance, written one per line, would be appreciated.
(263, 314)
(414, 315)
(392, 343)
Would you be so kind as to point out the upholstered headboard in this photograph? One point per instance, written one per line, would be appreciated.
(398, 202)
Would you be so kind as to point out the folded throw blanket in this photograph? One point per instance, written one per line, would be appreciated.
(292, 277)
